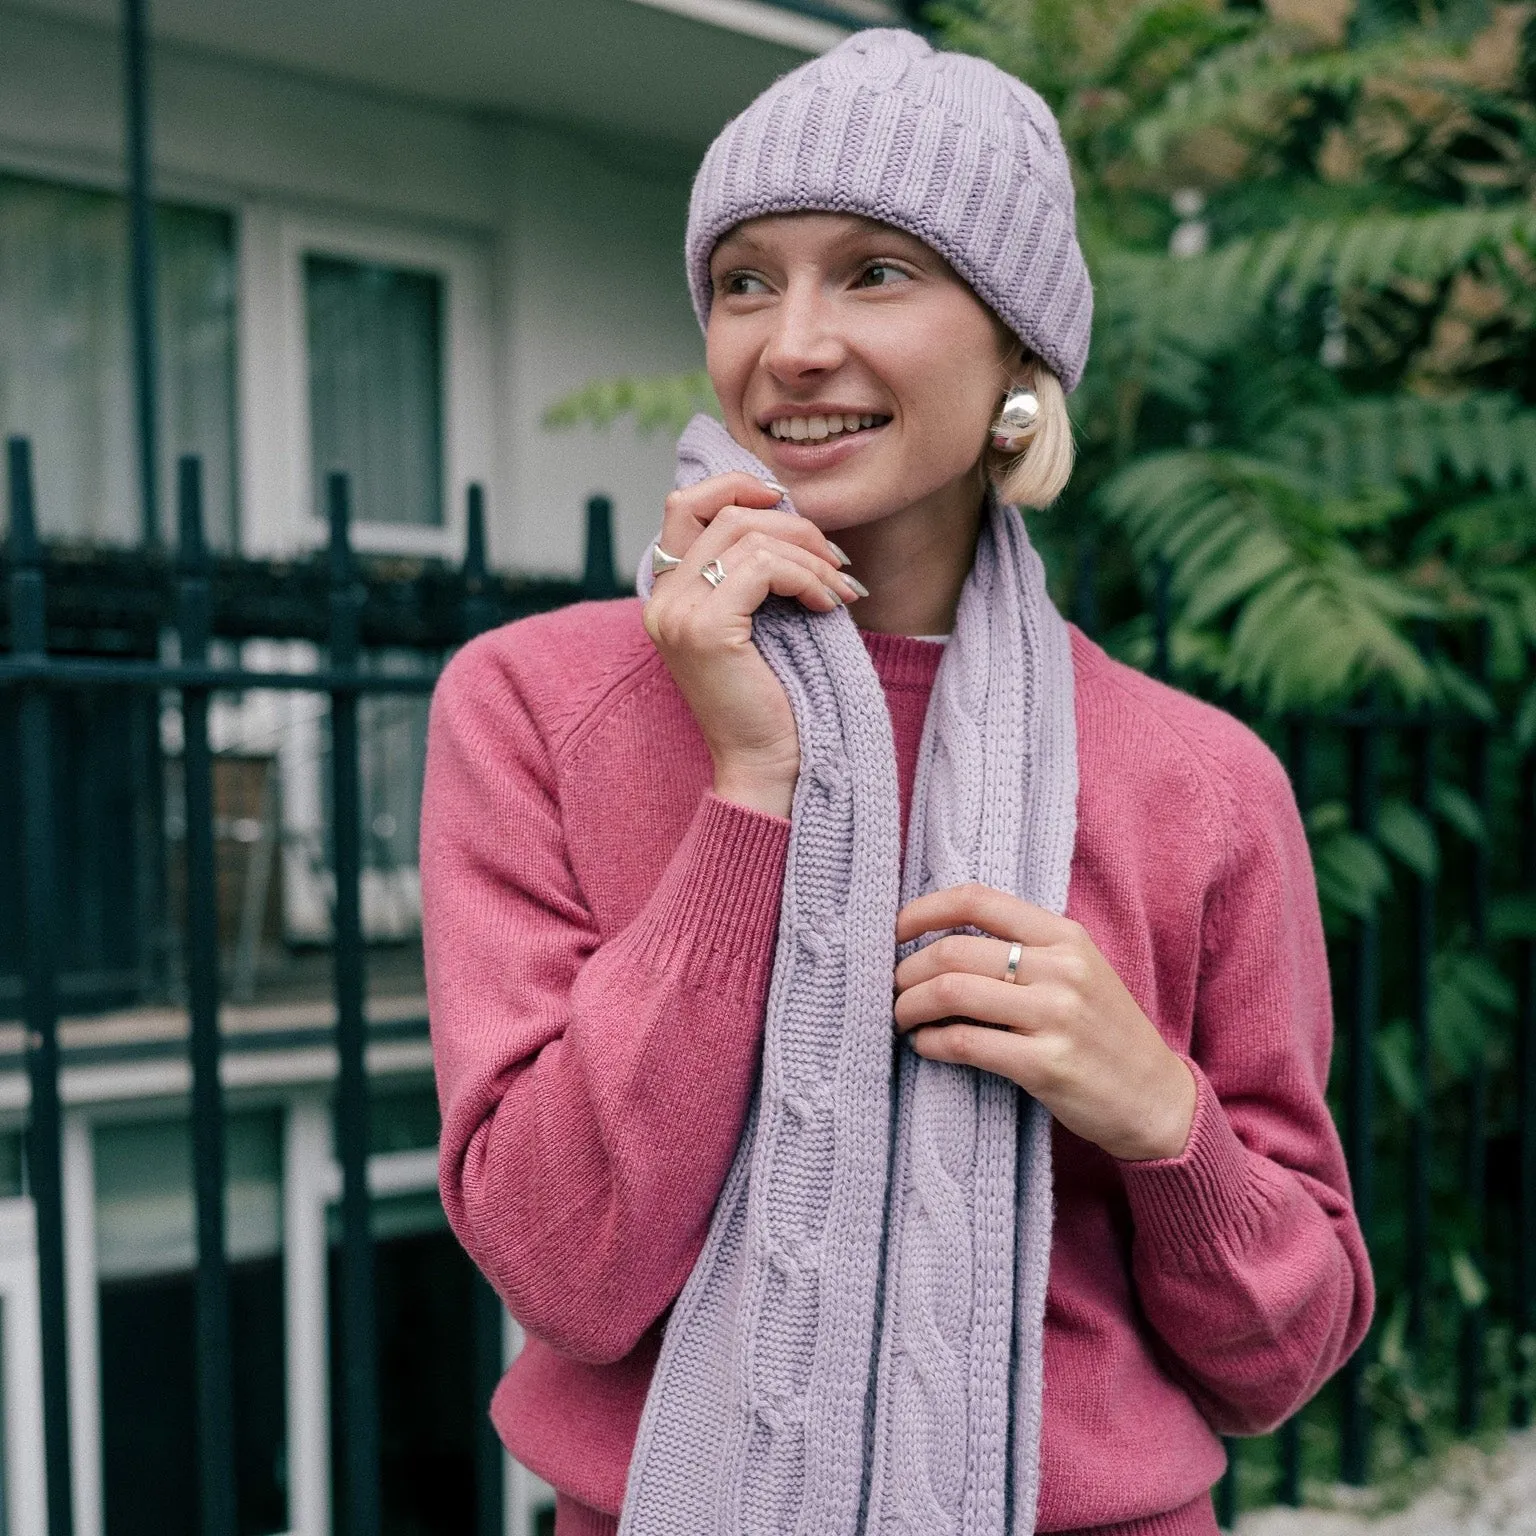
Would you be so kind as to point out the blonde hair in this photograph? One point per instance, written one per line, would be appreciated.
(1039, 474)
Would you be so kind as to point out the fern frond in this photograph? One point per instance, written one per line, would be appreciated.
(1387, 440)
(1191, 26)
(1264, 69)
(1253, 542)
(1370, 249)
(665, 401)
(1203, 304)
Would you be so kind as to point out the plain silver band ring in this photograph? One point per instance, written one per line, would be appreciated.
(662, 562)
(1015, 954)
(713, 573)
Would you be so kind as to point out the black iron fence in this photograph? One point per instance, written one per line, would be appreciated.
(196, 598)
(1424, 828)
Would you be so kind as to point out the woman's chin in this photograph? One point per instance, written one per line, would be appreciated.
(842, 492)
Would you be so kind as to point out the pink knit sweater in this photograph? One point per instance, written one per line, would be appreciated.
(599, 933)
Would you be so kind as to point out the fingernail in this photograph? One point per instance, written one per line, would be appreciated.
(857, 585)
(836, 597)
(773, 485)
(842, 559)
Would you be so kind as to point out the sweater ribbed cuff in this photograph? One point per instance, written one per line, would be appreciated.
(576, 1519)
(1198, 1210)
(1197, 1518)
(714, 916)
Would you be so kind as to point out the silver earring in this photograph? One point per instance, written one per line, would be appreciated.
(1017, 421)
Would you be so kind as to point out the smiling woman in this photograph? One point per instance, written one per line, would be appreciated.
(881, 1039)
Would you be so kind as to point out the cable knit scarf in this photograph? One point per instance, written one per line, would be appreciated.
(858, 1347)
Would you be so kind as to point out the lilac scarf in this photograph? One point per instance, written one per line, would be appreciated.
(858, 1349)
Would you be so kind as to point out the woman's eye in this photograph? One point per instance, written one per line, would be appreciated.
(743, 282)
(881, 274)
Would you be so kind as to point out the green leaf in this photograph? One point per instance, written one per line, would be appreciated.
(1485, 983)
(1513, 917)
(1467, 995)
(1458, 688)
(1454, 806)
(1394, 1060)
(1471, 1288)
(1409, 836)
(1525, 720)
(667, 401)
(1326, 818)
(1352, 876)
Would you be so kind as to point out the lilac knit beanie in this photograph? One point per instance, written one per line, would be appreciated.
(942, 145)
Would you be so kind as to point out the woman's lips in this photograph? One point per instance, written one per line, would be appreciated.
(807, 456)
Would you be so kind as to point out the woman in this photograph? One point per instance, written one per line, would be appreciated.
(1022, 1270)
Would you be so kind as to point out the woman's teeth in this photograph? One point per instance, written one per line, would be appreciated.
(815, 428)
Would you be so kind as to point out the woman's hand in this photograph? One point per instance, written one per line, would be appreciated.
(1065, 1029)
(704, 631)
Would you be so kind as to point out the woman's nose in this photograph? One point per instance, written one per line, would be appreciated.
(804, 339)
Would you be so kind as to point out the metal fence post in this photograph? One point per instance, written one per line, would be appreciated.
(1364, 1005)
(215, 1376)
(360, 1384)
(141, 223)
(477, 610)
(40, 1014)
(478, 615)
(1525, 1231)
(490, 1458)
(1162, 618)
(1475, 1147)
(598, 579)
(1298, 764)
(1420, 1146)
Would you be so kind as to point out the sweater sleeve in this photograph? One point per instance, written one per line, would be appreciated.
(593, 1088)
(1248, 1261)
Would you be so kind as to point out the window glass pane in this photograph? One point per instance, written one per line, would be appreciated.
(144, 1225)
(145, 1220)
(375, 387)
(66, 361)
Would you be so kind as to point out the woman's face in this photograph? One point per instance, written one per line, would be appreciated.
(850, 358)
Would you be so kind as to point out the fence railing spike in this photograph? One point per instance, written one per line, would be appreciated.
(598, 579)
(191, 545)
(22, 541)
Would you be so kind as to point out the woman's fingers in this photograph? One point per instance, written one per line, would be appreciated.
(687, 513)
(964, 995)
(734, 523)
(982, 906)
(755, 564)
(963, 952)
(992, 1050)
(754, 572)
(763, 551)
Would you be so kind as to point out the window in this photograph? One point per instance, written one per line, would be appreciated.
(66, 378)
(145, 1253)
(375, 387)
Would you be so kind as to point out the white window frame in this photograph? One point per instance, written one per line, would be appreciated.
(21, 1318)
(468, 376)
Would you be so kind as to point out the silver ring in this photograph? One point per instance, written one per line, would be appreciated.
(1015, 954)
(662, 562)
(713, 573)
